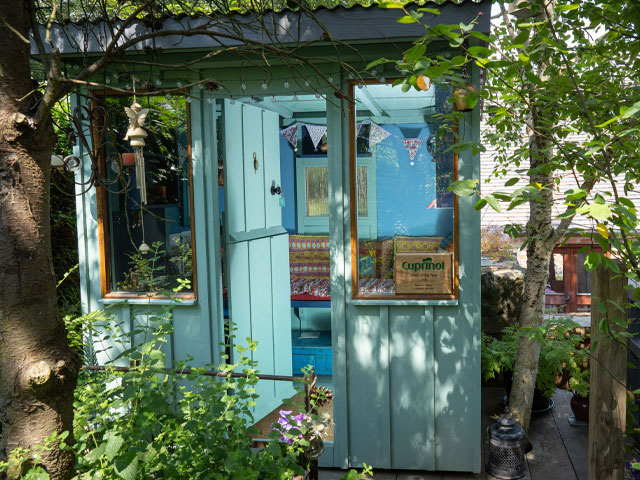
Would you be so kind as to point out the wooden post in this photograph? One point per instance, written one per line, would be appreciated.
(607, 399)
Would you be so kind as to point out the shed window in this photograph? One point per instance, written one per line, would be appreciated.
(163, 223)
(412, 252)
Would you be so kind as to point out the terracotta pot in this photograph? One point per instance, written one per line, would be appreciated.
(128, 158)
(580, 407)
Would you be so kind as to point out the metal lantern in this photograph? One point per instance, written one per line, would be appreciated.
(136, 135)
(506, 448)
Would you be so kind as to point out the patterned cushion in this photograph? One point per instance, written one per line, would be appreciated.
(309, 256)
(311, 286)
(381, 286)
(402, 244)
(369, 259)
(386, 258)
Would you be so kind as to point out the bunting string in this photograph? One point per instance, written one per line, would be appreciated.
(375, 136)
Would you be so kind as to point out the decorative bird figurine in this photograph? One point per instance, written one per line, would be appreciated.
(136, 135)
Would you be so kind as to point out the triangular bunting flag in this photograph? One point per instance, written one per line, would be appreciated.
(412, 145)
(291, 134)
(359, 127)
(377, 134)
(316, 132)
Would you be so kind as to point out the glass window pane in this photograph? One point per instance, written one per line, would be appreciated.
(317, 191)
(363, 206)
(584, 277)
(150, 242)
(406, 220)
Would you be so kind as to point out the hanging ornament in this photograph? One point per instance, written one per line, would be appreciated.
(295, 97)
(315, 133)
(201, 86)
(273, 99)
(264, 85)
(376, 134)
(179, 84)
(317, 95)
(136, 135)
(209, 100)
(168, 96)
(286, 84)
(291, 134)
(232, 101)
(243, 86)
(412, 145)
(306, 83)
(158, 82)
(144, 248)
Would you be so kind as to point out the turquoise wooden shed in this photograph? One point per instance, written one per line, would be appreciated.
(307, 205)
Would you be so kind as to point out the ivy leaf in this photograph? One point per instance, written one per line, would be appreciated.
(407, 19)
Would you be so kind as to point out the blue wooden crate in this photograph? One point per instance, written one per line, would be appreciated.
(311, 351)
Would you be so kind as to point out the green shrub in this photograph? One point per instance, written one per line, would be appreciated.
(560, 349)
(495, 245)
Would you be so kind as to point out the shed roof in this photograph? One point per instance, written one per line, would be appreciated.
(344, 24)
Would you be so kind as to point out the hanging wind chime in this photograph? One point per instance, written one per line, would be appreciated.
(136, 135)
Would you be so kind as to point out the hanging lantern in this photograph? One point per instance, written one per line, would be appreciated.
(506, 448)
(136, 135)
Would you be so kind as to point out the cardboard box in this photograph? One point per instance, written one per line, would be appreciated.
(424, 273)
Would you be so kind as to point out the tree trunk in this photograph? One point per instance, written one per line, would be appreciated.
(38, 371)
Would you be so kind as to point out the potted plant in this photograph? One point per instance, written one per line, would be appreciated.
(579, 382)
(559, 349)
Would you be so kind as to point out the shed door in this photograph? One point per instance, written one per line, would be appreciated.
(257, 251)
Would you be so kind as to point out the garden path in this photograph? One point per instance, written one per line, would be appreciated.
(560, 451)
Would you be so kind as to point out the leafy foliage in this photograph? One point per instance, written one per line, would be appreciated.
(560, 349)
(496, 245)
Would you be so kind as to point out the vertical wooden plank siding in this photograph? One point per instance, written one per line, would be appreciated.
(213, 310)
(457, 338)
(234, 153)
(412, 386)
(261, 315)
(87, 224)
(368, 384)
(337, 152)
(281, 289)
(253, 157)
(192, 322)
(271, 162)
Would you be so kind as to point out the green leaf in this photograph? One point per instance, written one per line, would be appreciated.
(599, 211)
(95, 454)
(415, 52)
(114, 443)
(511, 182)
(407, 19)
(575, 194)
(434, 11)
(630, 111)
(377, 62)
(493, 203)
(480, 204)
(463, 188)
(591, 261)
(479, 52)
(127, 471)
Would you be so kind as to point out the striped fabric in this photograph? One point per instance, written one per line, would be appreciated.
(309, 256)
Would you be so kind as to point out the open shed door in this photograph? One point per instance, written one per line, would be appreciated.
(257, 251)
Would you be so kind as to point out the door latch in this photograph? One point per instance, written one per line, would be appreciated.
(255, 163)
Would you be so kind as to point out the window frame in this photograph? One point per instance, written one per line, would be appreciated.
(353, 207)
(320, 224)
(103, 220)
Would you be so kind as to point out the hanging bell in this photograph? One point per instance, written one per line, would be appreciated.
(506, 448)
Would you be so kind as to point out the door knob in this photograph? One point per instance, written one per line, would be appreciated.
(276, 190)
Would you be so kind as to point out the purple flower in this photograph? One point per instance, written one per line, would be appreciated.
(286, 423)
